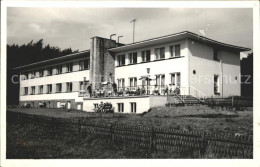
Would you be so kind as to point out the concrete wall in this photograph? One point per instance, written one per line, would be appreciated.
(101, 62)
(201, 60)
(165, 66)
(158, 101)
(142, 103)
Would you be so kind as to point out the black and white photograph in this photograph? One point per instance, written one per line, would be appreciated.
(159, 82)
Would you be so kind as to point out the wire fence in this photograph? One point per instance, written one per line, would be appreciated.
(224, 145)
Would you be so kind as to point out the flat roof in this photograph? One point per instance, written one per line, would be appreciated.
(175, 37)
(44, 62)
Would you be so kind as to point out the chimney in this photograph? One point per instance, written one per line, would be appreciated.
(101, 61)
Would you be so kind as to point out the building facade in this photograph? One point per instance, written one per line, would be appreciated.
(194, 65)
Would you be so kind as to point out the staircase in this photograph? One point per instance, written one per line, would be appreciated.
(183, 99)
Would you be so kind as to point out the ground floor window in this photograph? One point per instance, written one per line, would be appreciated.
(133, 107)
(95, 105)
(216, 85)
(120, 107)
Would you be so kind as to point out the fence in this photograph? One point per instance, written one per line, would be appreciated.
(233, 101)
(222, 145)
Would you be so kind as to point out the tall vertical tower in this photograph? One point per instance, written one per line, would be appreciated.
(101, 61)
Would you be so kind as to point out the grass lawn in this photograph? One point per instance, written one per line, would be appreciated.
(188, 118)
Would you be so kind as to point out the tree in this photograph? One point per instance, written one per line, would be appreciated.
(247, 76)
(27, 54)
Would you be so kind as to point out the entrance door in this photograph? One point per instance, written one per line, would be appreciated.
(68, 105)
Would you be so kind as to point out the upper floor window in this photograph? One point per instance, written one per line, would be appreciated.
(41, 89)
(159, 53)
(133, 58)
(121, 60)
(33, 90)
(59, 69)
(41, 71)
(49, 71)
(69, 67)
(133, 82)
(84, 64)
(26, 91)
(25, 75)
(58, 87)
(175, 50)
(121, 84)
(49, 88)
(69, 86)
(146, 56)
(215, 54)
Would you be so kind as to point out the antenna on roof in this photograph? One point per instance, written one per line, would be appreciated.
(112, 35)
(118, 38)
(133, 21)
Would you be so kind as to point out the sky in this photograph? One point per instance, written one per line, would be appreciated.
(73, 27)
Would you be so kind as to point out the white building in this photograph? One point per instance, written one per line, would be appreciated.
(195, 65)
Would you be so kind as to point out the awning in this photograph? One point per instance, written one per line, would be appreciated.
(145, 78)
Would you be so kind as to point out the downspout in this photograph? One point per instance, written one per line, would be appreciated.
(221, 66)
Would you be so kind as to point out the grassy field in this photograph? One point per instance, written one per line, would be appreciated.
(186, 118)
(33, 141)
(37, 142)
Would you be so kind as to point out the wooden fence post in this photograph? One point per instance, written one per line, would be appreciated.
(232, 101)
(204, 143)
(111, 132)
(152, 142)
(79, 126)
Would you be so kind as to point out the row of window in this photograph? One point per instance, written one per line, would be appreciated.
(146, 55)
(83, 65)
(69, 88)
(175, 79)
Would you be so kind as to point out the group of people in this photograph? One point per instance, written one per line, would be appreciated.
(138, 91)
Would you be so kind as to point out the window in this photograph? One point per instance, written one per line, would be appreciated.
(215, 54)
(216, 84)
(49, 71)
(133, 58)
(59, 69)
(69, 86)
(121, 84)
(33, 74)
(175, 79)
(26, 75)
(33, 90)
(49, 88)
(83, 85)
(69, 67)
(133, 107)
(146, 56)
(120, 107)
(41, 73)
(95, 105)
(160, 80)
(175, 50)
(84, 64)
(159, 53)
(121, 60)
(58, 87)
(41, 89)
(133, 82)
(26, 91)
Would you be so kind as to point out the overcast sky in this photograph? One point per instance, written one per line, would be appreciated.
(73, 27)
